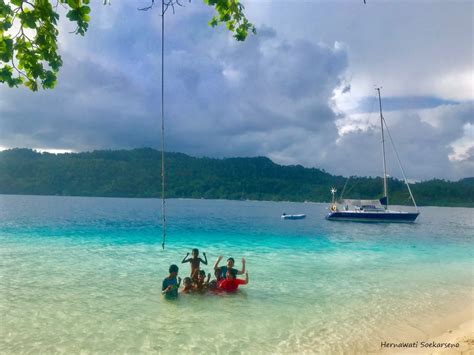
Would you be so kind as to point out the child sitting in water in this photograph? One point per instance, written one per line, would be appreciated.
(195, 262)
(171, 283)
(218, 275)
(214, 284)
(188, 285)
(200, 283)
(231, 283)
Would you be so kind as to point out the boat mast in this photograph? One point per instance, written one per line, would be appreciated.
(383, 151)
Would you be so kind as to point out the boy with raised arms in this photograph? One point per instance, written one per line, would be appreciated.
(230, 266)
(195, 262)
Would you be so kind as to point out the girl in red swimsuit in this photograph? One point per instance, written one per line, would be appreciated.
(231, 283)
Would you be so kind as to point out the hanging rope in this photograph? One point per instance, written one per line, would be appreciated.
(165, 4)
(163, 199)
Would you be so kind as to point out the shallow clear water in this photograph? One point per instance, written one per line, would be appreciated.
(84, 275)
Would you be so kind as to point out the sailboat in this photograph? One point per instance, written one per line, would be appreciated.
(372, 210)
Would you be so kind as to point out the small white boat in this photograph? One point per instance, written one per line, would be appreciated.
(293, 216)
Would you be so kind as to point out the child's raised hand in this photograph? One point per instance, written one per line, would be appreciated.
(243, 260)
(179, 279)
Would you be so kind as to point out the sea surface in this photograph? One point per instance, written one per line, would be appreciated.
(83, 275)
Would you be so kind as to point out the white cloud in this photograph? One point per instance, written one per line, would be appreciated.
(463, 147)
(457, 85)
(53, 150)
(431, 142)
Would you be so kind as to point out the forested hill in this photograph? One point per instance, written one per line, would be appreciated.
(136, 173)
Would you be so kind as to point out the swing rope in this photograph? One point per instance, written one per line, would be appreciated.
(163, 200)
(164, 6)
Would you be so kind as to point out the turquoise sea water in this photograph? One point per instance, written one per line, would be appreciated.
(83, 275)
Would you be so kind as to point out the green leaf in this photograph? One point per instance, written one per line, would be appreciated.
(85, 10)
(231, 13)
(74, 3)
(50, 80)
(5, 25)
(35, 52)
(33, 85)
(214, 22)
(6, 49)
(28, 19)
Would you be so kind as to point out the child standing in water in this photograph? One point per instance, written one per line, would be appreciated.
(195, 262)
(171, 283)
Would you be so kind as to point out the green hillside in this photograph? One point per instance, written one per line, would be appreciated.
(136, 173)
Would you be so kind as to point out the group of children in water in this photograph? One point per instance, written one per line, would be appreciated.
(225, 277)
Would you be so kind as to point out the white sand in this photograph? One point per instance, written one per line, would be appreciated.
(464, 335)
(460, 340)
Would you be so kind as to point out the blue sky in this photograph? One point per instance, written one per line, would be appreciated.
(300, 92)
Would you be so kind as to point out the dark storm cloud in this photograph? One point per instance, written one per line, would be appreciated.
(266, 96)
(263, 85)
(219, 93)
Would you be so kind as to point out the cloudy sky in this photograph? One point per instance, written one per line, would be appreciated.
(300, 92)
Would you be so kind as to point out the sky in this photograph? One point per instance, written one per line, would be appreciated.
(301, 91)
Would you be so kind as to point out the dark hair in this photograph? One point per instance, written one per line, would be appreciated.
(202, 272)
(195, 250)
(186, 280)
(173, 268)
(231, 259)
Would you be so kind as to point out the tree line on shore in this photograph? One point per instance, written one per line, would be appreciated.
(137, 173)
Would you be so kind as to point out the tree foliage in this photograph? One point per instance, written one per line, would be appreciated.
(29, 36)
(135, 173)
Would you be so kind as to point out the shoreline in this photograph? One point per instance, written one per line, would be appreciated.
(457, 339)
(215, 199)
(463, 335)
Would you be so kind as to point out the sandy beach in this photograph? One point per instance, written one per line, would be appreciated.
(462, 335)
(455, 340)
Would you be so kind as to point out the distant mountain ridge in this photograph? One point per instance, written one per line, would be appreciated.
(137, 173)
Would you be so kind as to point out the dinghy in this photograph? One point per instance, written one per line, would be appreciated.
(293, 216)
